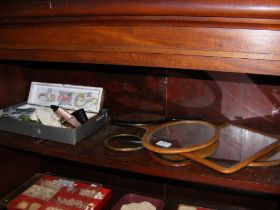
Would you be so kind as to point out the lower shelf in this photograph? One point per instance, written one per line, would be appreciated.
(173, 192)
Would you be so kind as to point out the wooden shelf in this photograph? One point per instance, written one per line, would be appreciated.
(200, 8)
(92, 151)
(202, 35)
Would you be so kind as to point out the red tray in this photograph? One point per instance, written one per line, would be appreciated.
(135, 198)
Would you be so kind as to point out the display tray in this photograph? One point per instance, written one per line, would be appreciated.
(44, 191)
(133, 199)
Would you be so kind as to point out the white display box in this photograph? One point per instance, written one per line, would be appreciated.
(69, 97)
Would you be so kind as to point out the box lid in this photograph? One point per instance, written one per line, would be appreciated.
(71, 97)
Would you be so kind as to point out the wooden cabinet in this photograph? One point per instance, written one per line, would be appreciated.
(215, 60)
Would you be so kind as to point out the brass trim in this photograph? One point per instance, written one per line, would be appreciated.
(265, 162)
(123, 149)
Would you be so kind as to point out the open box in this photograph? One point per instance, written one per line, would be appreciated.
(69, 97)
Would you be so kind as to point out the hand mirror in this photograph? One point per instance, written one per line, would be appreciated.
(179, 136)
(238, 147)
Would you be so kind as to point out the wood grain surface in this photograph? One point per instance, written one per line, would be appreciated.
(226, 36)
(204, 8)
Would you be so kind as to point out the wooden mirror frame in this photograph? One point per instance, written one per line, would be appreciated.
(150, 129)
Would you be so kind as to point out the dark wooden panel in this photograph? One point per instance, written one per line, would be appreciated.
(127, 92)
(225, 97)
(195, 41)
(205, 48)
(138, 93)
(151, 60)
(16, 167)
(13, 85)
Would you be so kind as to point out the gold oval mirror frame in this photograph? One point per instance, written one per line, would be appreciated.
(191, 135)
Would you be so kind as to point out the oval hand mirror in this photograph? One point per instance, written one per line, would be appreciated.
(179, 136)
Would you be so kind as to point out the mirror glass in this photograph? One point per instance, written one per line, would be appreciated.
(183, 134)
(237, 143)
